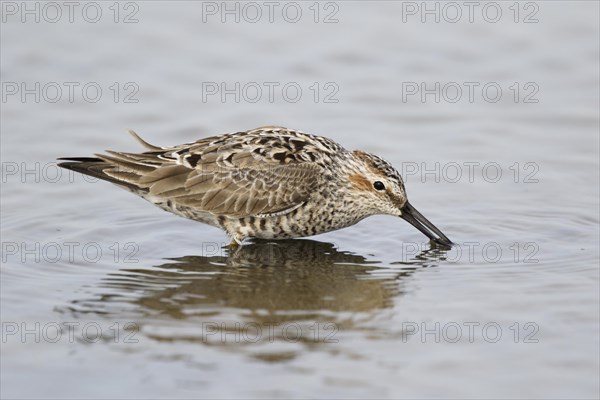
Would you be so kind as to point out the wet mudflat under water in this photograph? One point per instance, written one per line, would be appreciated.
(104, 295)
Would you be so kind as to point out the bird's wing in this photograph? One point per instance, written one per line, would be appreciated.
(265, 171)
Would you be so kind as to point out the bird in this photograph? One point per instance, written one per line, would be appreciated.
(268, 183)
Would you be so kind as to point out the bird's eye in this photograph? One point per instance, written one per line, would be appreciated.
(378, 185)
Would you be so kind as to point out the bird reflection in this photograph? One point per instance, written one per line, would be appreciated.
(260, 283)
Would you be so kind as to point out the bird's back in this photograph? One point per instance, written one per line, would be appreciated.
(260, 172)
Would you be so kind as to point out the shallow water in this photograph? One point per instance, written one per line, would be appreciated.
(104, 295)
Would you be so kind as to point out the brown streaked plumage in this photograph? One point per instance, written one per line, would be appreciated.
(361, 182)
(269, 182)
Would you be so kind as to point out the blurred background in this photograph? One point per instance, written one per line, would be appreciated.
(488, 109)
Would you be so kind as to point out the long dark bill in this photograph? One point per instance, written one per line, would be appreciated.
(416, 219)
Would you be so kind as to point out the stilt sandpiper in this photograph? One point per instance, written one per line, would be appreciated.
(270, 183)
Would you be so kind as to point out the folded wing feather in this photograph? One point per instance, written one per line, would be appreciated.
(231, 180)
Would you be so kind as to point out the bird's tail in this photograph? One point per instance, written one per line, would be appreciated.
(123, 169)
(94, 167)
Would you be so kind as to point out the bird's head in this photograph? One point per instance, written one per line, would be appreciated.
(379, 184)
